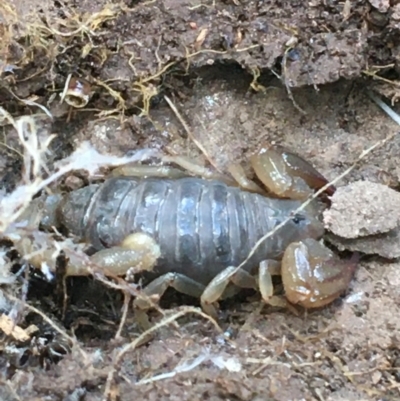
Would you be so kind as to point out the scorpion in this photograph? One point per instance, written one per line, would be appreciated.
(192, 233)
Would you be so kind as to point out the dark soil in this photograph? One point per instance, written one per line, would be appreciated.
(241, 73)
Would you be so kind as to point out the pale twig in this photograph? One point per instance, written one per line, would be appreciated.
(182, 367)
(125, 309)
(189, 132)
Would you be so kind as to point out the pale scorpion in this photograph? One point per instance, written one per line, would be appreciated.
(191, 233)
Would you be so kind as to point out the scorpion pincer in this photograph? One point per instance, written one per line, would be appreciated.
(192, 233)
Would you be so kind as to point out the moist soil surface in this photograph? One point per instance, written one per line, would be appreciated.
(241, 74)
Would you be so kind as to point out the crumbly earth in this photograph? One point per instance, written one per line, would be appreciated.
(241, 74)
(385, 245)
(367, 205)
(357, 219)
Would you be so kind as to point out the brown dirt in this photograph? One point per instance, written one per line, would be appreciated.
(378, 202)
(207, 57)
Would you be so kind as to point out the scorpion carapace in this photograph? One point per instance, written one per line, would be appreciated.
(192, 233)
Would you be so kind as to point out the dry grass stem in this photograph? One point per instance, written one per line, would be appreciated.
(189, 132)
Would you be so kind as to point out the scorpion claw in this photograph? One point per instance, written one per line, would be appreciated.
(286, 174)
(138, 252)
(313, 276)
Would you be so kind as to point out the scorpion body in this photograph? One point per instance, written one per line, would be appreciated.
(196, 235)
(201, 226)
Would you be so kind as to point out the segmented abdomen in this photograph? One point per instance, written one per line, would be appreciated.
(201, 226)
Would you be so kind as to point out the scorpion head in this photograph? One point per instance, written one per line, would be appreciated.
(306, 225)
(302, 224)
(298, 225)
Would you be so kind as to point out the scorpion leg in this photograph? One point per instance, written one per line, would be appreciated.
(157, 287)
(144, 171)
(197, 169)
(218, 287)
(245, 183)
(185, 285)
(163, 171)
(267, 269)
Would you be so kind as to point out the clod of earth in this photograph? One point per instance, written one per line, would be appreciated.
(361, 209)
(385, 245)
(358, 219)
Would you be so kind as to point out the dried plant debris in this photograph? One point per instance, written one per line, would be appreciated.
(358, 219)
(9, 328)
